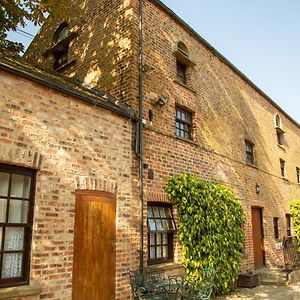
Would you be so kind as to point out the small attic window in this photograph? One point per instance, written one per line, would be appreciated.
(277, 121)
(183, 63)
(181, 47)
(62, 38)
(61, 56)
(61, 33)
(279, 130)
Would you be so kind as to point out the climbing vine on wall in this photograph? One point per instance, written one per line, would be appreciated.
(210, 228)
(295, 211)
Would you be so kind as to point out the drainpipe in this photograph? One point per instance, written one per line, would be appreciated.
(140, 132)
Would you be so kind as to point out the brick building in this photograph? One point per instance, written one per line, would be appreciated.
(203, 116)
(59, 142)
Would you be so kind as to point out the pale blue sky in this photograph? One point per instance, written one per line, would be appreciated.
(260, 37)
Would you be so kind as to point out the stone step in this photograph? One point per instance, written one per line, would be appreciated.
(269, 276)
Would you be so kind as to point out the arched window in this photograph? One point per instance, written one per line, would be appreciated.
(183, 48)
(277, 121)
(181, 63)
(61, 33)
(61, 55)
(279, 130)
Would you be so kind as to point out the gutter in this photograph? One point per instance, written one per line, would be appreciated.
(141, 135)
(225, 60)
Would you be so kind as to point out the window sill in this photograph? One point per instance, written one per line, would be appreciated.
(19, 291)
(281, 147)
(66, 65)
(185, 86)
(285, 179)
(165, 266)
(252, 166)
(185, 140)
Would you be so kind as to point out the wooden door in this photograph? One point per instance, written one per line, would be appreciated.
(94, 246)
(258, 237)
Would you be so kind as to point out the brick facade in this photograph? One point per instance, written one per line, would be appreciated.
(227, 110)
(73, 146)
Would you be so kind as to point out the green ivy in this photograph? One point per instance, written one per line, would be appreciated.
(295, 212)
(210, 228)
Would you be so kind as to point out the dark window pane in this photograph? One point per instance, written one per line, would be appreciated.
(183, 123)
(12, 265)
(152, 253)
(152, 238)
(158, 252)
(181, 72)
(4, 182)
(162, 212)
(165, 225)
(165, 251)
(20, 186)
(156, 212)
(165, 238)
(152, 225)
(159, 225)
(150, 213)
(158, 239)
(171, 225)
(14, 239)
(18, 211)
(3, 203)
(276, 229)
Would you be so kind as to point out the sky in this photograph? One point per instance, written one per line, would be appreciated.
(260, 37)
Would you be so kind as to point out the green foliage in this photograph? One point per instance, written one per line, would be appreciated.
(295, 212)
(210, 228)
(14, 13)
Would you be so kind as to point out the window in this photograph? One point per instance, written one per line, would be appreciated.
(16, 213)
(182, 48)
(181, 72)
(298, 174)
(276, 228)
(277, 121)
(249, 153)
(183, 62)
(288, 224)
(183, 123)
(61, 55)
(282, 168)
(161, 228)
(61, 33)
(279, 137)
(279, 130)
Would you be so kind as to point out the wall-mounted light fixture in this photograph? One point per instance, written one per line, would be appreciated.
(162, 100)
(257, 188)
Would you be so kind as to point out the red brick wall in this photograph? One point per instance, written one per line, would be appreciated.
(73, 145)
(227, 110)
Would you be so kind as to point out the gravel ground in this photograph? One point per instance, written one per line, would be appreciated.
(290, 292)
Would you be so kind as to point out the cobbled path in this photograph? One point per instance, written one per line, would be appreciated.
(264, 292)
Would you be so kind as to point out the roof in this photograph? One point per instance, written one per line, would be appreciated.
(225, 60)
(14, 64)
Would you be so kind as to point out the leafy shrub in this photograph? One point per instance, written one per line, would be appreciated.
(295, 212)
(210, 228)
